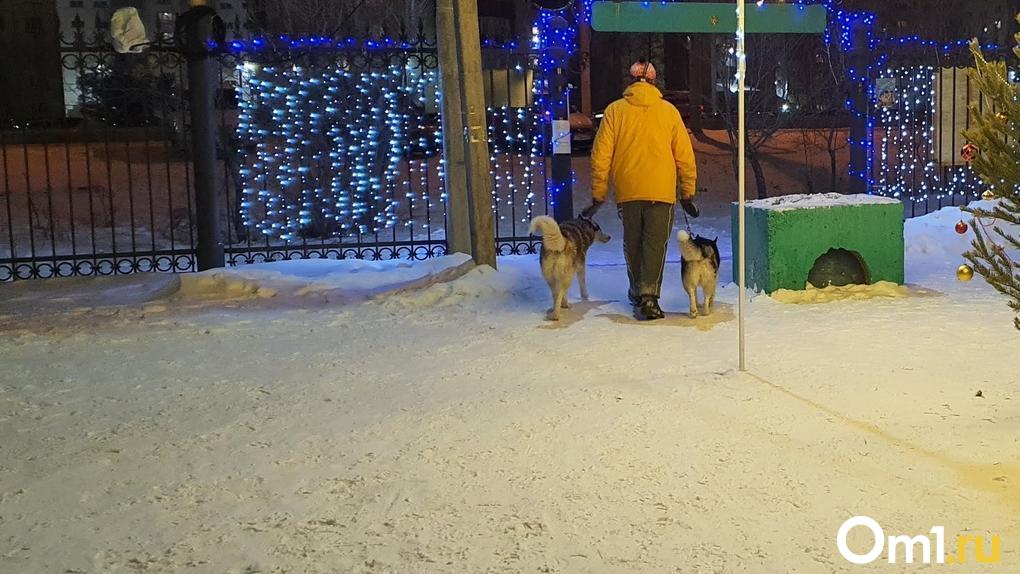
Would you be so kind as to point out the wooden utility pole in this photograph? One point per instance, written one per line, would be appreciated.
(458, 219)
(468, 183)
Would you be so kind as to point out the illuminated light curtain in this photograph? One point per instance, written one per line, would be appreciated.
(325, 147)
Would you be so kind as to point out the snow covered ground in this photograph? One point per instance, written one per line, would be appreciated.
(325, 416)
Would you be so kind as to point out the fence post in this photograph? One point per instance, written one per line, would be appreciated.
(860, 55)
(559, 100)
(584, 41)
(200, 31)
(562, 166)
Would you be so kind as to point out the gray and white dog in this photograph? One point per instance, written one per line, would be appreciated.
(699, 267)
(564, 250)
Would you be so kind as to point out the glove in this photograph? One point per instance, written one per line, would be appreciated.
(690, 208)
(591, 210)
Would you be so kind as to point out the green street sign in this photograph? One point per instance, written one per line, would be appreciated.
(706, 18)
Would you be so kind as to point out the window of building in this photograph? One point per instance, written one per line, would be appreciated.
(100, 4)
(77, 3)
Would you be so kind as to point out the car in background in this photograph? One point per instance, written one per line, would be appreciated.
(582, 132)
(681, 99)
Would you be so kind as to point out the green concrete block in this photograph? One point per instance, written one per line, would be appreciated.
(786, 236)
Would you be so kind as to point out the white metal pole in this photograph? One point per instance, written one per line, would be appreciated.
(741, 168)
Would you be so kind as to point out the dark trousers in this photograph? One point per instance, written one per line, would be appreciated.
(647, 227)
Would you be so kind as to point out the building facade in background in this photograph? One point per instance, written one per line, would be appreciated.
(30, 88)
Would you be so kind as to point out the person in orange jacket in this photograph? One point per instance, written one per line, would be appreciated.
(643, 148)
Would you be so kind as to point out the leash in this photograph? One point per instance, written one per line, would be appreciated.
(687, 222)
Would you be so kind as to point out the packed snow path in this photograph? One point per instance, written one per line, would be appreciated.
(282, 419)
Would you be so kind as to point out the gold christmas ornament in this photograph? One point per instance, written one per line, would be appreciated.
(964, 272)
(988, 195)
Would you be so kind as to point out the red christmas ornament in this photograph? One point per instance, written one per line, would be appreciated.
(969, 152)
(961, 227)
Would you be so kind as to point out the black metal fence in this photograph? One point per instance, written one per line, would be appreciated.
(107, 191)
(111, 191)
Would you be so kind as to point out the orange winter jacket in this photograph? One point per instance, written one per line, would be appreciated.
(642, 146)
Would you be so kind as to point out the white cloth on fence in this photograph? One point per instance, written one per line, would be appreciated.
(127, 31)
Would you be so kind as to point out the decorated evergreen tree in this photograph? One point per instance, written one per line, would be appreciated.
(996, 247)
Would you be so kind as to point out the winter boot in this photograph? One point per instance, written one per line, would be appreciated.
(650, 310)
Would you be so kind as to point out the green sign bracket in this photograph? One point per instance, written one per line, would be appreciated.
(707, 18)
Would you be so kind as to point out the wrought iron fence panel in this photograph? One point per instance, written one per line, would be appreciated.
(106, 189)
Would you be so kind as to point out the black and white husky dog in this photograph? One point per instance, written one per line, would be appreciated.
(564, 249)
(699, 267)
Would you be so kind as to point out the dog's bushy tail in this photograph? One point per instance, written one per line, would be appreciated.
(547, 227)
(688, 250)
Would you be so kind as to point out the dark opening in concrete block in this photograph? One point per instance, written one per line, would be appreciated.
(839, 267)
